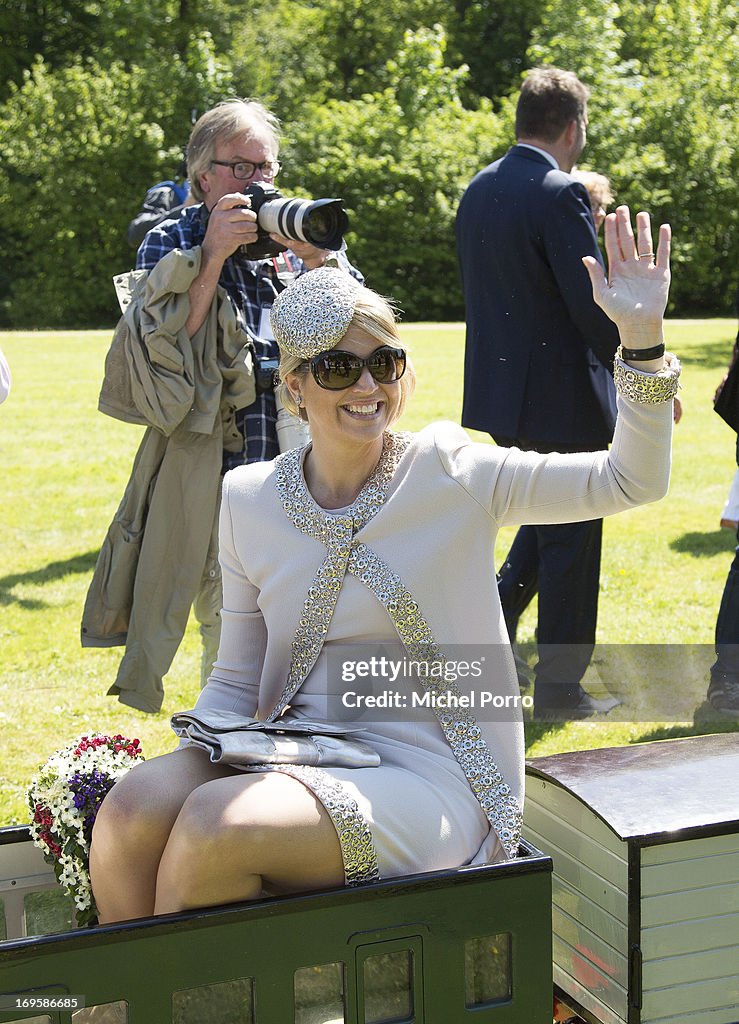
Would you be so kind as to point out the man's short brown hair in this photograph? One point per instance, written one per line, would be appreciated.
(550, 99)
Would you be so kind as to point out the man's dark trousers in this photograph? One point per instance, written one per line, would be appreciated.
(562, 563)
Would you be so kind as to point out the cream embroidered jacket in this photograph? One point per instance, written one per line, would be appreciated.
(435, 531)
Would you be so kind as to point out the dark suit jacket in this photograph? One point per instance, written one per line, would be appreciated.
(539, 352)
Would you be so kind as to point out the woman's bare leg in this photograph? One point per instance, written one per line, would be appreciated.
(235, 835)
(134, 825)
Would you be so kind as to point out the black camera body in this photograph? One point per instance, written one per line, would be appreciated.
(266, 374)
(322, 222)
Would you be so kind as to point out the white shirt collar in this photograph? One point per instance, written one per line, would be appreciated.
(543, 152)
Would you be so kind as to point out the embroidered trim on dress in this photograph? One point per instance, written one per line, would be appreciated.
(462, 732)
(357, 848)
(336, 533)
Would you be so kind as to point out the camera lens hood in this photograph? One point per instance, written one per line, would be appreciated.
(321, 222)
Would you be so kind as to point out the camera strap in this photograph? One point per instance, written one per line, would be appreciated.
(284, 271)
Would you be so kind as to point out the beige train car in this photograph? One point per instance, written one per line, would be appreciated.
(645, 844)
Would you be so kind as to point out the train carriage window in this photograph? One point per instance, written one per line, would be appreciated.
(31, 1020)
(487, 970)
(228, 1002)
(102, 1013)
(319, 994)
(48, 911)
(388, 987)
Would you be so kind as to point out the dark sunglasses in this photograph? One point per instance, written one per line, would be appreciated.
(335, 370)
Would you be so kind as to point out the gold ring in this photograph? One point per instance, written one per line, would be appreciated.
(643, 255)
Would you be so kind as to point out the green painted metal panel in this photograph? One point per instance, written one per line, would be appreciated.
(708, 933)
(690, 905)
(580, 841)
(144, 962)
(696, 873)
(569, 901)
(579, 876)
(565, 806)
(663, 1004)
(698, 966)
(701, 846)
(708, 1016)
(577, 964)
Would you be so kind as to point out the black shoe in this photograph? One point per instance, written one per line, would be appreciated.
(723, 695)
(586, 707)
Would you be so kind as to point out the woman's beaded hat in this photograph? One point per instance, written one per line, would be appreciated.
(313, 314)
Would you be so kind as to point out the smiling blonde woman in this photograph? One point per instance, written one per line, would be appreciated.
(374, 540)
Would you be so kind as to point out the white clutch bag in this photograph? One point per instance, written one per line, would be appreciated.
(243, 742)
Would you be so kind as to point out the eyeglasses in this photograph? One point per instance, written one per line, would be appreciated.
(335, 370)
(245, 169)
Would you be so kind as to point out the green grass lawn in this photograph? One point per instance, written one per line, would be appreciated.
(64, 467)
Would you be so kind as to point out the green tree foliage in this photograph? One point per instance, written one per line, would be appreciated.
(279, 54)
(131, 32)
(70, 137)
(663, 122)
(81, 144)
(295, 51)
(400, 158)
(96, 99)
(491, 37)
(57, 30)
(690, 115)
(365, 36)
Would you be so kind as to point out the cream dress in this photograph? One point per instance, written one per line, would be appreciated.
(408, 564)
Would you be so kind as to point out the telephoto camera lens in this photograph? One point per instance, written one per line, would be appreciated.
(321, 222)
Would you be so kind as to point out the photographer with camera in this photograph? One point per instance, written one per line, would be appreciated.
(233, 147)
(228, 256)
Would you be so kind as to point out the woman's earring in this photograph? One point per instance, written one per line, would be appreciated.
(298, 399)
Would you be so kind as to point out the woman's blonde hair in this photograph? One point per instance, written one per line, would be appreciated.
(373, 315)
(598, 186)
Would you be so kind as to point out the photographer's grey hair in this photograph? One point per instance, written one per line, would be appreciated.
(226, 119)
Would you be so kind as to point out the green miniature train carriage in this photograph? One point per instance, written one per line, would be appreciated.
(645, 844)
(471, 945)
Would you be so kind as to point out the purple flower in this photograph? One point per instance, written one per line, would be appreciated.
(89, 788)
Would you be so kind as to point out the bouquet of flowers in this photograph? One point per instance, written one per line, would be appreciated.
(64, 799)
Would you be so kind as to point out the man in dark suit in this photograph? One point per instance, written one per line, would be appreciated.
(538, 362)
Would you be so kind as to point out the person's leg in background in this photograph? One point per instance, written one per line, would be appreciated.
(518, 579)
(562, 563)
(569, 579)
(723, 690)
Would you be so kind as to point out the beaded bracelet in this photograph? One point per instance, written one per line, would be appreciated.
(640, 386)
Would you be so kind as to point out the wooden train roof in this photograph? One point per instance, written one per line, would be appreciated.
(654, 791)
